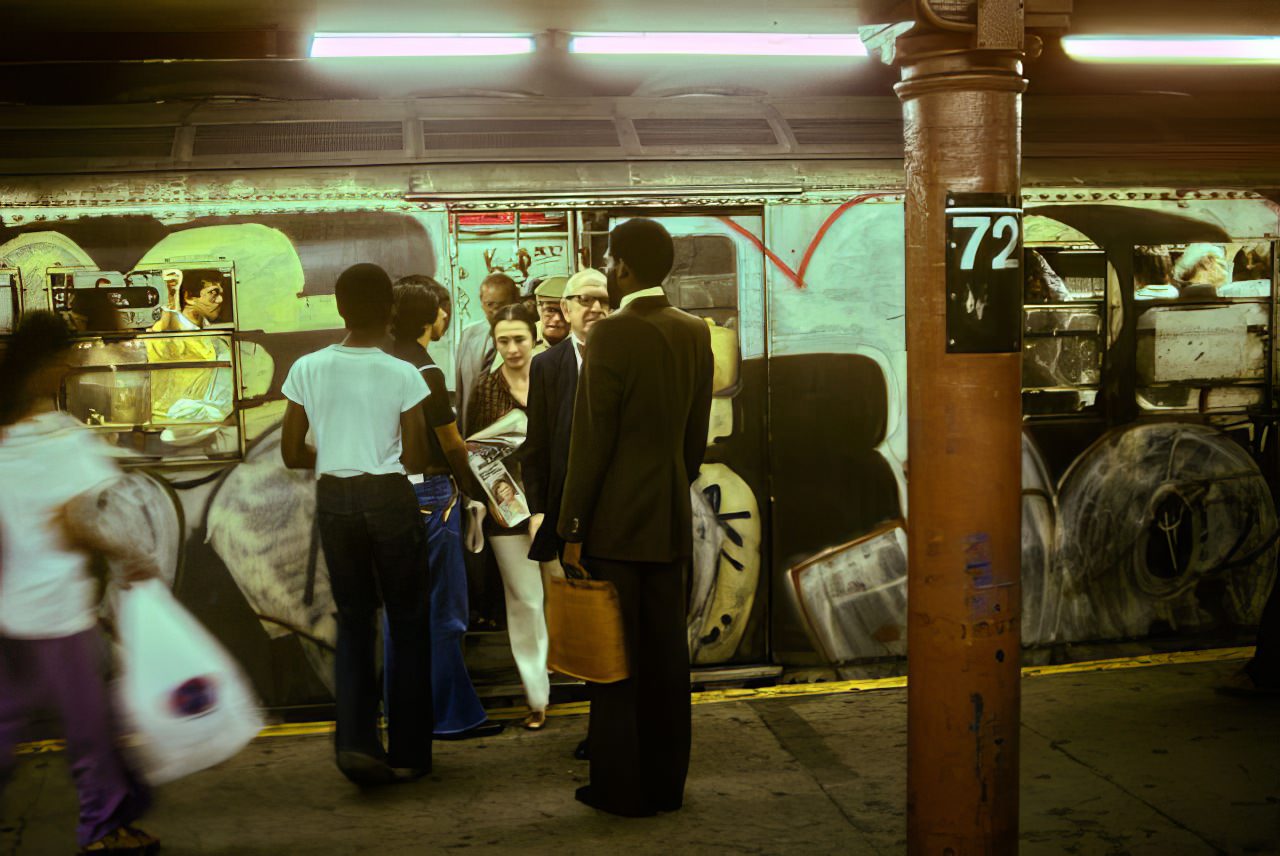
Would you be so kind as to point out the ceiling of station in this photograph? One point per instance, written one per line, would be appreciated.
(813, 16)
(434, 15)
(91, 52)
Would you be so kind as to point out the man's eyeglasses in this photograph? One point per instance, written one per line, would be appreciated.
(586, 301)
(550, 308)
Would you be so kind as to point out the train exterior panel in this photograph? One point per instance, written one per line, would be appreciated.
(1149, 459)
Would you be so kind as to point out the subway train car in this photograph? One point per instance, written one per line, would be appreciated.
(1149, 365)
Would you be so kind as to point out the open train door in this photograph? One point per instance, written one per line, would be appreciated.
(719, 276)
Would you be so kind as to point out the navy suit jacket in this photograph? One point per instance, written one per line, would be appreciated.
(553, 383)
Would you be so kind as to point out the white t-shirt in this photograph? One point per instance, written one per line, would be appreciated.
(45, 588)
(354, 398)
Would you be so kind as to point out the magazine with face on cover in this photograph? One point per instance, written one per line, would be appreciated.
(486, 451)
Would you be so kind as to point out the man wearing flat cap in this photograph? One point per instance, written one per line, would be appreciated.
(551, 321)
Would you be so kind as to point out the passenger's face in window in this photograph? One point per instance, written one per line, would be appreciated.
(209, 303)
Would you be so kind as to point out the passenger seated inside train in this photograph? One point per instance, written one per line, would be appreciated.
(1200, 271)
(1250, 272)
(1043, 285)
(1251, 262)
(111, 397)
(1152, 274)
(201, 397)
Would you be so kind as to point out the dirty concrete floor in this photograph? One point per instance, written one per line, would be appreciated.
(1142, 761)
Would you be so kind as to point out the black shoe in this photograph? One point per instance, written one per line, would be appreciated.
(581, 752)
(364, 769)
(408, 774)
(488, 728)
(587, 796)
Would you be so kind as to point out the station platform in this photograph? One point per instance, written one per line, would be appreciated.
(1135, 756)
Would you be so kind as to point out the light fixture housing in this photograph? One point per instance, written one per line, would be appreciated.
(419, 44)
(719, 44)
(1174, 50)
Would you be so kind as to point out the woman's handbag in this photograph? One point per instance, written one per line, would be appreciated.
(584, 623)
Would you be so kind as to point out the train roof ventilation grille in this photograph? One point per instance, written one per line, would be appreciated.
(705, 132)
(90, 143)
(518, 134)
(285, 138)
(845, 132)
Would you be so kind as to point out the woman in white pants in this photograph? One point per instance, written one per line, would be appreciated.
(497, 393)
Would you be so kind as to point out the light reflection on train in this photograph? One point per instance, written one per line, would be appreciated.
(1148, 392)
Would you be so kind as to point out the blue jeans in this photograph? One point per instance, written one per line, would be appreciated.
(457, 707)
(373, 545)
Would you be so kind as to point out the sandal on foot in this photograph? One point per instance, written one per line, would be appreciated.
(535, 721)
(124, 839)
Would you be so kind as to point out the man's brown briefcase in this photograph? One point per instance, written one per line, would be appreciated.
(584, 623)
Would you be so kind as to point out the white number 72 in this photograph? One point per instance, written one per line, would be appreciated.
(1003, 260)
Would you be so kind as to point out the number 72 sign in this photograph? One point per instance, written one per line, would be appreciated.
(984, 273)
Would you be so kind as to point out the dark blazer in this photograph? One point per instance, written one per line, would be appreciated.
(544, 457)
(639, 434)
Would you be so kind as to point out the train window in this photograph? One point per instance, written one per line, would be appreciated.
(10, 299)
(1064, 333)
(169, 397)
(705, 276)
(107, 301)
(525, 245)
(1203, 326)
(209, 285)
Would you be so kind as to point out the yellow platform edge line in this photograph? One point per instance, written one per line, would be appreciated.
(578, 708)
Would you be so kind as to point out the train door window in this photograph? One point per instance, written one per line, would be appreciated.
(704, 277)
(1203, 326)
(716, 259)
(705, 272)
(525, 245)
(1064, 327)
(10, 299)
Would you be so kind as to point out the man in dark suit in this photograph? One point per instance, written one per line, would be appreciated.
(553, 384)
(639, 433)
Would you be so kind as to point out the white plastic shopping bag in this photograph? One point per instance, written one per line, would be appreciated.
(183, 700)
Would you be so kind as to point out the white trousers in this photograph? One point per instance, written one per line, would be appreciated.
(526, 622)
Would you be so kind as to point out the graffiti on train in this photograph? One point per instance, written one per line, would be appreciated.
(1146, 502)
(1138, 528)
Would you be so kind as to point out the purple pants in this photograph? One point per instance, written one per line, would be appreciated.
(65, 675)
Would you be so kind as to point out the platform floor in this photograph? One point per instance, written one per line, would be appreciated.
(1119, 761)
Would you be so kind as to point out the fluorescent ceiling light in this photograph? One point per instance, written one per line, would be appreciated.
(418, 44)
(1201, 50)
(718, 44)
